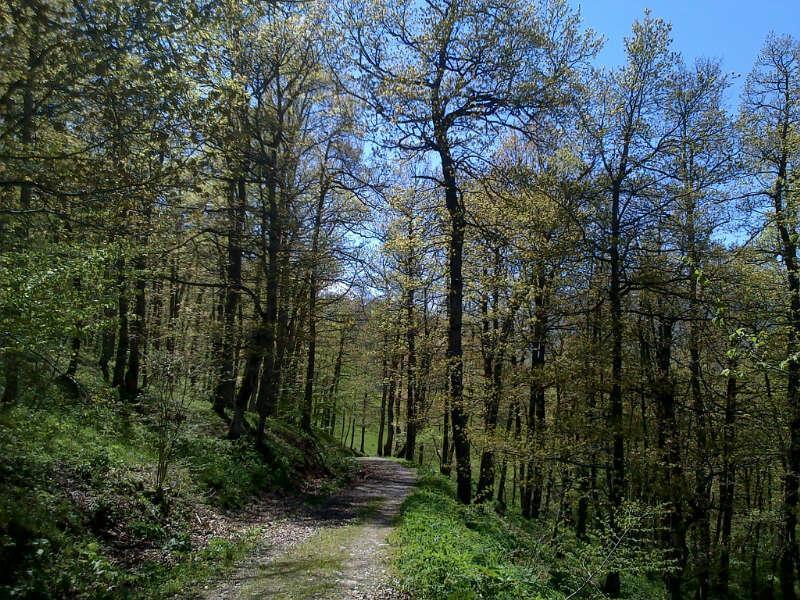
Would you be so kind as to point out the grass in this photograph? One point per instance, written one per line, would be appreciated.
(307, 571)
(311, 569)
(78, 513)
(445, 550)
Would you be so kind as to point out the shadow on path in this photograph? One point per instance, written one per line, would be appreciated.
(343, 553)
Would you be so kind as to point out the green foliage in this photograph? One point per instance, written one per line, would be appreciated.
(447, 550)
(78, 486)
(228, 472)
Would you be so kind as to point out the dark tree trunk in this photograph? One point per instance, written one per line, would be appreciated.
(121, 355)
(107, 345)
(617, 478)
(308, 392)
(363, 423)
(513, 412)
(267, 392)
(399, 451)
(490, 346)
(75, 342)
(788, 235)
(226, 385)
(703, 479)
(387, 449)
(588, 474)
(352, 428)
(411, 365)
(333, 390)
(384, 395)
(137, 332)
(12, 354)
(670, 455)
(455, 300)
(175, 295)
(249, 381)
(532, 477)
(445, 466)
(727, 478)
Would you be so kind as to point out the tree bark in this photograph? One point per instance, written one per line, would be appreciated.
(384, 395)
(226, 385)
(617, 479)
(121, 355)
(138, 331)
(308, 392)
(455, 301)
(728, 477)
(411, 365)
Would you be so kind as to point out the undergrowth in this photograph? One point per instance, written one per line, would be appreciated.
(78, 513)
(445, 550)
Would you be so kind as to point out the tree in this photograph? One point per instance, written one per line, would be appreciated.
(770, 122)
(436, 75)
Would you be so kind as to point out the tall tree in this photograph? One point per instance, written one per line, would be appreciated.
(770, 122)
(437, 75)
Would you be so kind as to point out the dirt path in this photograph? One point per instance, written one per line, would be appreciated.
(335, 551)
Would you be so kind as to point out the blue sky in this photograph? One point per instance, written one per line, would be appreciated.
(730, 30)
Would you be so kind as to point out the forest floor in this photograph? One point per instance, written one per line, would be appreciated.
(336, 549)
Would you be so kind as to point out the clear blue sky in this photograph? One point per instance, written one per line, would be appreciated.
(730, 30)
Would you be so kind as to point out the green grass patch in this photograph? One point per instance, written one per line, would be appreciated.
(446, 550)
(443, 549)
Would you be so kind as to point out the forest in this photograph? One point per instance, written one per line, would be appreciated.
(245, 246)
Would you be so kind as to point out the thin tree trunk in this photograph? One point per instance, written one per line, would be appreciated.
(121, 355)
(363, 423)
(384, 395)
(617, 478)
(107, 345)
(727, 478)
(411, 365)
(334, 387)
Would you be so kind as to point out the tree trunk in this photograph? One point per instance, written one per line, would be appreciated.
(334, 387)
(384, 395)
(532, 477)
(226, 385)
(455, 300)
(788, 234)
(445, 466)
(308, 393)
(137, 332)
(387, 449)
(363, 423)
(121, 355)
(249, 381)
(617, 479)
(728, 477)
(411, 365)
(670, 455)
(12, 354)
(106, 345)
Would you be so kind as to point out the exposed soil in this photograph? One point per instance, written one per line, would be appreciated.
(337, 550)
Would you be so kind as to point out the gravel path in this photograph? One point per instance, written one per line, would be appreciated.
(337, 550)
